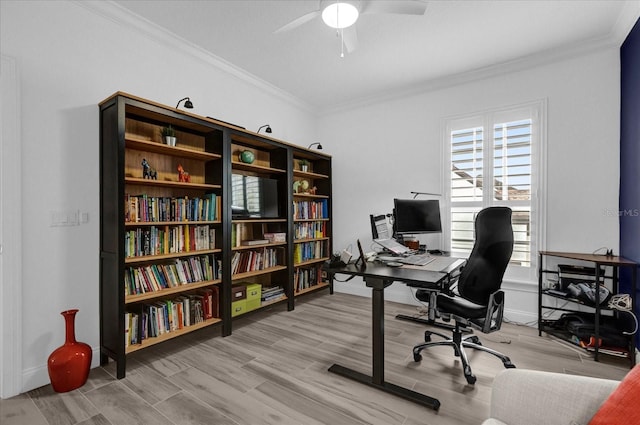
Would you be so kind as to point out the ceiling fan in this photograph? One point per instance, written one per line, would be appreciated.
(343, 14)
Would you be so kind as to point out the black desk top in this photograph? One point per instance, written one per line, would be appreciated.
(411, 276)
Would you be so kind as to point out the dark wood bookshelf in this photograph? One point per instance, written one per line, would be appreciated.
(208, 150)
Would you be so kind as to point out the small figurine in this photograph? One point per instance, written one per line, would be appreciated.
(183, 176)
(301, 186)
(147, 171)
(313, 190)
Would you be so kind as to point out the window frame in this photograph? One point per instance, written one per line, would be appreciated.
(487, 119)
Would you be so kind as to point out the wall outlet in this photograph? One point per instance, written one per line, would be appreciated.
(64, 218)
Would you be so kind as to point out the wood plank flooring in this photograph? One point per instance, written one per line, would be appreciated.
(273, 370)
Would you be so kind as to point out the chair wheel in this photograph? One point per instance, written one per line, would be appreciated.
(471, 379)
(417, 357)
(509, 365)
(427, 338)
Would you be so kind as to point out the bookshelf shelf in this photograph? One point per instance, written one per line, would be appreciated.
(134, 142)
(148, 258)
(237, 165)
(311, 262)
(169, 223)
(317, 287)
(266, 245)
(170, 335)
(129, 299)
(309, 175)
(245, 275)
(310, 196)
(260, 220)
(170, 184)
(310, 240)
(149, 215)
(273, 302)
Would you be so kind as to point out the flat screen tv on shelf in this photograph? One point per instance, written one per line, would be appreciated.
(254, 197)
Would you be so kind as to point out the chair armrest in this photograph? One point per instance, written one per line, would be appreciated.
(546, 397)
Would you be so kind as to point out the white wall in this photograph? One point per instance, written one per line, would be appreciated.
(69, 58)
(389, 148)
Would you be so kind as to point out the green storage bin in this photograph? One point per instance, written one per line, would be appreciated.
(253, 304)
(238, 308)
(254, 291)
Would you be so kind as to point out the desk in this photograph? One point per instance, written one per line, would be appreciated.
(378, 277)
(598, 261)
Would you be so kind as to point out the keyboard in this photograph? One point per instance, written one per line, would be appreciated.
(416, 259)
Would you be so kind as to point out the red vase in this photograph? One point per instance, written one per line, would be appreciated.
(69, 364)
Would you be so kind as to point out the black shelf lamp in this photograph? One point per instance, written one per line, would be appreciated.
(187, 104)
(267, 129)
(313, 144)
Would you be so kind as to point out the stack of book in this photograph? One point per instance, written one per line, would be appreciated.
(270, 294)
(276, 237)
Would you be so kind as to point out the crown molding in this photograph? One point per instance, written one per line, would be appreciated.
(542, 58)
(627, 18)
(124, 17)
(118, 14)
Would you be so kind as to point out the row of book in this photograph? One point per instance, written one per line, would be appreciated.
(170, 315)
(272, 293)
(304, 210)
(156, 240)
(144, 208)
(255, 259)
(182, 271)
(310, 229)
(306, 251)
(306, 277)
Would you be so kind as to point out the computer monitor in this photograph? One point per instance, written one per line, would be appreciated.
(414, 216)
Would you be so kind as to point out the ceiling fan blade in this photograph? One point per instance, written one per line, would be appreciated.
(401, 7)
(350, 37)
(298, 21)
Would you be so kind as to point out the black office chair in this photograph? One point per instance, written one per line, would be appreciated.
(479, 302)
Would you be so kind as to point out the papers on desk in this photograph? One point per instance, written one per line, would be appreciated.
(443, 263)
(438, 264)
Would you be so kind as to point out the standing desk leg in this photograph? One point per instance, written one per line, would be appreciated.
(377, 333)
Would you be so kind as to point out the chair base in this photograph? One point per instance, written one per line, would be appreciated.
(458, 343)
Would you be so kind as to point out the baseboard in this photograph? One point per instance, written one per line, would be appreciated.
(403, 294)
(521, 317)
(38, 376)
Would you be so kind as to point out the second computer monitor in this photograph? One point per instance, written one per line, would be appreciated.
(414, 216)
(379, 229)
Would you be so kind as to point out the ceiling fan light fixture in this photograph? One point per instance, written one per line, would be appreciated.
(340, 15)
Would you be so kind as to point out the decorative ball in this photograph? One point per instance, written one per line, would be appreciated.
(247, 157)
(304, 185)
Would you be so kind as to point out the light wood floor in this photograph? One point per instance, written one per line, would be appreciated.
(273, 370)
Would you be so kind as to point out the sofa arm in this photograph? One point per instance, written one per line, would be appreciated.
(521, 396)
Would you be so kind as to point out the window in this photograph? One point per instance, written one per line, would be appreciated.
(494, 160)
(245, 193)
